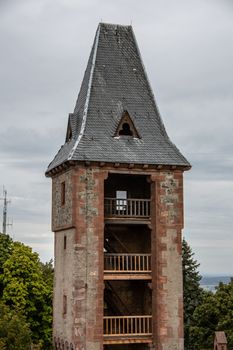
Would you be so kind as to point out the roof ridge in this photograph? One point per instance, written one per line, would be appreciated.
(115, 25)
(86, 105)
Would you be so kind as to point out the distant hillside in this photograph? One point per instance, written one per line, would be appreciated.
(210, 282)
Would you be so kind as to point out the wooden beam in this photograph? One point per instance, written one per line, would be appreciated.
(127, 340)
(127, 276)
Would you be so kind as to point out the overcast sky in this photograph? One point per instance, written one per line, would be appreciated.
(187, 49)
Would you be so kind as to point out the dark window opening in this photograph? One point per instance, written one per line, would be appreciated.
(69, 136)
(64, 242)
(63, 193)
(126, 127)
(126, 130)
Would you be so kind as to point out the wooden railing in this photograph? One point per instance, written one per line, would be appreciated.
(116, 207)
(127, 326)
(127, 263)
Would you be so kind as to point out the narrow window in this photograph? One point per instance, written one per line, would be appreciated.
(64, 242)
(64, 305)
(63, 193)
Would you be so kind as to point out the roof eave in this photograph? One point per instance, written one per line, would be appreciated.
(115, 165)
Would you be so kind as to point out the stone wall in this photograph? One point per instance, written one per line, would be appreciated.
(63, 285)
(167, 223)
(79, 267)
(62, 214)
(88, 288)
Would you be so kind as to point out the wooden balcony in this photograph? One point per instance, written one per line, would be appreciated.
(127, 329)
(127, 266)
(115, 208)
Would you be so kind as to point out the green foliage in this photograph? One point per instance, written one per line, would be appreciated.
(14, 331)
(224, 296)
(193, 293)
(204, 323)
(204, 312)
(47, 271)
(6, 244)
(27, 287)
(215, 313)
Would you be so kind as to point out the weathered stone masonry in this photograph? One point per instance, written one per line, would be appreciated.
(81, 265)
(79, 271)
(167, 223)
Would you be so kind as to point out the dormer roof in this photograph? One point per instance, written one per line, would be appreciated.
(115, 81)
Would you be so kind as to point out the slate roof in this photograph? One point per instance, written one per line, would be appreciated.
(115, 81)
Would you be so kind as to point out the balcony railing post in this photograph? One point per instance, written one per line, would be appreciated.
(127, 263)
(131, 207)
(127, 325)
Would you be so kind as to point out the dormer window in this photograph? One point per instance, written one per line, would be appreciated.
(126, 127)
(69, 135)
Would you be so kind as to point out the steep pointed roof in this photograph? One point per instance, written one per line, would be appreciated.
(115, 82)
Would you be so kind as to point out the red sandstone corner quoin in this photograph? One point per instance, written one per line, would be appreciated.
(118, 204)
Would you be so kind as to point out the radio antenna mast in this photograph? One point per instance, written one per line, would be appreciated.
(4, 216)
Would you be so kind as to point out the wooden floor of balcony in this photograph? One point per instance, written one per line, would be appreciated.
(127, 340)
(126, 221)
(127, 276)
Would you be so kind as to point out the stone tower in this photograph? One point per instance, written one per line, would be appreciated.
(117, 210)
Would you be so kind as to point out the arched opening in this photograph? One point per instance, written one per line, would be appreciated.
(126, 130)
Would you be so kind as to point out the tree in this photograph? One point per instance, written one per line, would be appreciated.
(193, 293)
(6, 245)
(215, 313)
(14, 331)
(224, 302)
(26, 290)
(47, 271)
(204, 323)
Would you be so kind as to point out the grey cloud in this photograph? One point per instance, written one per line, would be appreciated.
(187, 51)
(25, 147)
(209, 220)
(211, 166)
